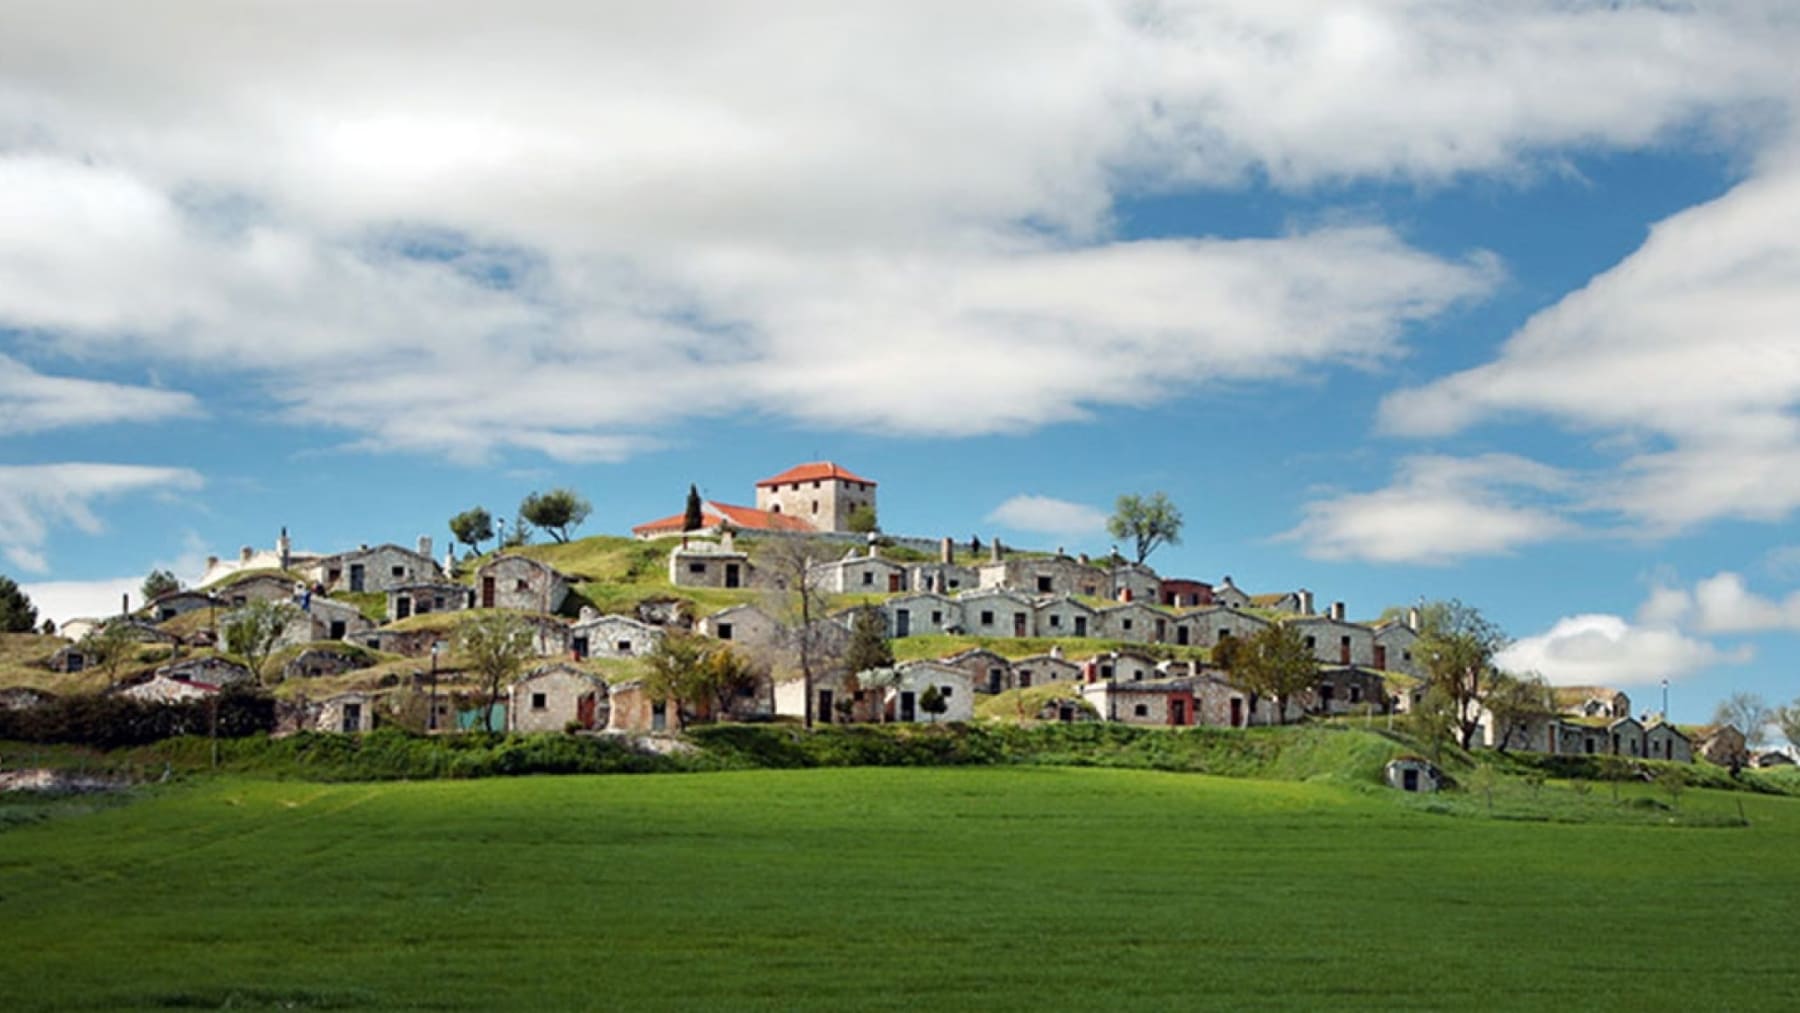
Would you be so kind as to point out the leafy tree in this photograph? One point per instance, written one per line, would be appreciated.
(693, 519)
(1275, 662)
(1456, 646)
(1673, 782)
(1147, 523)
(49, 628)
(108, 646)
(1227, 651)
(497, 645)
(869, 647)
(932, 702)
(1517, 702)
(862, 520)
(557, 511)
(675, 671)
(472, 527)
(1748, 713)
(17, 614)
(1433, 722)
(798, 600)
(252, 632)
(727, 674)
(1788, 720)
(159, 583)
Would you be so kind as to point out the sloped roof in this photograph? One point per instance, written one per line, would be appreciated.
(1575, 696)
(713, 515)
(813, 471)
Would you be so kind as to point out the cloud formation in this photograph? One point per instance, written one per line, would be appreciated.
(1607, 650)
(1722, 603)
(1438, 509)
(583, 223)
(34, 498)
(1047, 516)
(31, 402)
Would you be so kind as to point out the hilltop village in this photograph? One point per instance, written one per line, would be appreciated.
(978, 630)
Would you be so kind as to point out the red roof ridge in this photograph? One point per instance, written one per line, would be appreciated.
(813, 471)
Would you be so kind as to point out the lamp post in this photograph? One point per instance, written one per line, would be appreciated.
(432, 721)
(1665, 706)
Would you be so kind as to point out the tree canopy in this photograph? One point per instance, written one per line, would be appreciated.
(17, 614)
(252, 632)
(1275, 662)
(1456, 646)
(159, 583)
(496, 645)
(1748, 713)
(693, 519)
(472, 527)
(1517, 702)
(558, 511)
(1147, 523)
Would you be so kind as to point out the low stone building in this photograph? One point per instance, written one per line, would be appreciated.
(320, 662)
(1334, 641)
(1041, 670)
(376, 568)
(1044, 575)
(160, 688)
(997, 613)
(273, 587)
(1721, 744)
(612, 636)
(942, 578)
(1135, 622)
(1663, 741)
(411, 600)
(1412, 773)
(902, 700)
(1393, 643)
(333, 620)
(556, 697)
(709, 564)
(212, 670)
(922, 612)
(513, 581)
(860, 573)
(1063, 616)
(1206, 627)
(1120, 666)
(1346, 690)
(1181, 593)
(180, 603)
(1228, 595)
(745, 625)
(1163, 703)
(988, 672)
(346, 713)
(1129, 582)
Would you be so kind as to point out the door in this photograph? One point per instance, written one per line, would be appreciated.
(908, 704)
(337, 630)
(353, 717)
(579, 646)
(356, 576)
(1081, 626)
(1409, 779)
(1237, 713)
(902, 623)
(1381, 656)
(993, 680)
(894, 581)
(731, 575)
(402, 607)
(1178, 712)
(1018, 624)
(487, 592)
(584, 710)
(824, 714)
(1343, 650)
(1181, 635)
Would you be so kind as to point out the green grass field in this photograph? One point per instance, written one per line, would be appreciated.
(971, 888)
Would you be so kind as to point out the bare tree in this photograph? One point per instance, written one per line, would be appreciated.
(1788, 720)
(798, 602)
(1748, 713)
(253, 631)
(1517, 702)
(497, 645)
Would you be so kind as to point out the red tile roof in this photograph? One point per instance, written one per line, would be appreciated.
(714, 514)
(813, 471)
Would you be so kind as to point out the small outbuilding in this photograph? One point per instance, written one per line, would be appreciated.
(1412, 773)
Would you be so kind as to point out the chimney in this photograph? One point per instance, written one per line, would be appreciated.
(125, 603)
(284, 549)
(212, 563)
(728, 540)
(1412, 619)
(245, 553)
(364, 547)
(1056, 651)
(946, 551)
(1083, 559)
(450, 560)
(994, 551)
(1059, 552)
(874, 550)
(1306, 602)
(1337, 611)
(425, 546)
(1125, 595)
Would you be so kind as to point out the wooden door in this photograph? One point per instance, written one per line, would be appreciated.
(1178, 712)
(487, 592)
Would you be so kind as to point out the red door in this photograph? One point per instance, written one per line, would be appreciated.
(487, 592)
(1381, 656)
(584, 711)
(1178, 712)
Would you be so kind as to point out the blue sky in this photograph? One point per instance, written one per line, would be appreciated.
(1396, 300)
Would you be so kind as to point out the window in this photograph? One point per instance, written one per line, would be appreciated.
(937, 618)
(1055, 621)
(1043, 584)
(696, 567)
(815, 485)
(522, 585)
(1311, 642)
(868, 578)
(1024, 679)
(775, 508)
(1125, 624)
(538, 702)
(1141, 710)
(399, 571)
(987, 618)
(1356, 694)
(815, 506)
(724, 631)
(1106, 671)
(946, 691)
(623, 646)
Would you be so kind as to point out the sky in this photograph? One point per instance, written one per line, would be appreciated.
(1396, 300)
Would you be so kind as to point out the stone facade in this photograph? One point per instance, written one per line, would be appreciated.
(1136, 622)
(942, 578)
(997, 614)
(901, 701)
(1346, 691)
(424, 599)
(1130, 582)
(213, 671)
(377, 568)
(554, 697)
(922, 613)
(1393, 644)
(1205, 627)
(988, 672)
(1663, 741)
(1721, 744)
(860, 573)
(521, 583)
(1041, 670)
(1156, 704)
(745, 625)
(1120, 666)
(820, 493)
(262, 587)
(1229, 595)
(1335, 642)
(161, 688)
(347, 713)
(1065, 617)
(709, 564)
(334, 620)
(612, 636)
(1046, 575)
(179, 603)
(1411, 773)
(1178, 593)
(318, 662)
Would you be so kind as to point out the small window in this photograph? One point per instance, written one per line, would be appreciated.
(522, 585)
(815, 485)
(1055, 621)
(724, 630)
(1311, 642)
(1141, 710)
(868, 578)
(696, 567)
(1043, 584)
(538, 702)
(399, 571)
(987, 618)
(1125, 624)
(815, 506)
(946, 691)
(623, 647)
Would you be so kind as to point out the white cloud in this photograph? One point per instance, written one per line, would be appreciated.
(63, 600)
(32, 402)
(33, 498)
(618, 217)
(1722, 603)
(1438, 509)
(1048, 516)
(1689, 348)
(1610, 651)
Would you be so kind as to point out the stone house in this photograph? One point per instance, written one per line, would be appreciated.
(1572, 737)
(1044, 575)
(318, 662)
(1206, 627)
(1346, 690)
(1412, 773)
(1182, 593)
(838, 697)
(1626, 737)
(746, 625)
(988, 672)
(1334, 641)
(554, 697)
(612, 636)
(346, 713)
(1120, 666)
(860, 573)
(1720, 744)
(1129, 582)
(1663, 741)
(519, 582)
(411, 600)
(818, 492)
(259, 587)
(1134, 621)
(1163, 703)
(942, 578)
(710, 564)
(922, 613)
(1393, 643)
(1289, 603)
(213, 671)
(997, 613)
(180, 603)
(1064, 617)
(1228, 595)
(901, 701)
(1771, 758)
(334, 620)
(376, 568)
(1041, 670)
(1592, 701)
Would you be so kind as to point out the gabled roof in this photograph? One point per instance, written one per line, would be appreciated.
(813, 471)
(1575, 696)
(713, 515)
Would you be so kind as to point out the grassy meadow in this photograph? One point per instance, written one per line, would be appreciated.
(884, 888)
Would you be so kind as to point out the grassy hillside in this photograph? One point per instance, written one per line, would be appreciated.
(880, 889)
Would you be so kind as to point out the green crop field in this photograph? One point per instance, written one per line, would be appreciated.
(965, 888)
